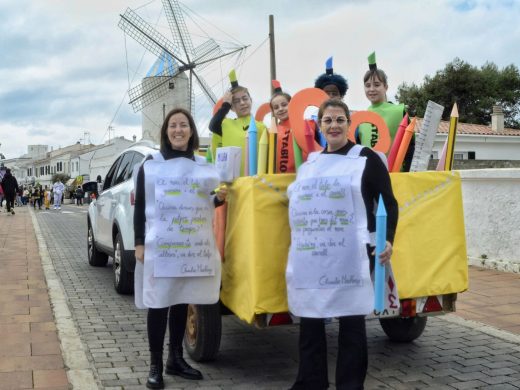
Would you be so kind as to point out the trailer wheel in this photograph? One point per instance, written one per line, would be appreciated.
(403, 329)
(203, 332)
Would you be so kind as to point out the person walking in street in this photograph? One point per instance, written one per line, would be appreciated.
(1, 197)
(37, 199)
(57, 188)
(47, 198)
(173, 198)
(10, 187)
(328, 270)
(79, 196)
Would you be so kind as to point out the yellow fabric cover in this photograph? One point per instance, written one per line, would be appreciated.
(429, 249)
(430, 245)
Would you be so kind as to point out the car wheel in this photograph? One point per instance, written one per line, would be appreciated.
(203, 332)
(123, 279)
(95, 257)
(403, 329)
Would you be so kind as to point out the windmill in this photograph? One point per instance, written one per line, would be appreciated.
(177, 57)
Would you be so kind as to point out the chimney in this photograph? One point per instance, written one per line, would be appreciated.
(497, 119)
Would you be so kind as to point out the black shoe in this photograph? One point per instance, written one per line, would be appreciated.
(12, 212)
(176, 365)
(155, 379)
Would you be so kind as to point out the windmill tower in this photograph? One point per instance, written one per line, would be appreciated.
(175, 79)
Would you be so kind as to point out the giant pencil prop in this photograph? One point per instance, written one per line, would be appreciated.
(273, 130)
(262, 154)
(379, 282)
(403, 148)
(454, 119)
(246, 155)
(442, 158)
(298, 159)
(397, 142)
(309, 137)
(253, 143)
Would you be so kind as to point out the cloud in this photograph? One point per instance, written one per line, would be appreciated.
(66, 65)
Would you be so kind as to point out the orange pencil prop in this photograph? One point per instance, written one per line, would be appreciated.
(397, 142)
(408, 134)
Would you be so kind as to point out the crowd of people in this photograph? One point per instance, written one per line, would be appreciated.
(40, 197)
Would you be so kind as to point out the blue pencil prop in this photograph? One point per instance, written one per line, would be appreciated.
(253, 142)
(379, 304)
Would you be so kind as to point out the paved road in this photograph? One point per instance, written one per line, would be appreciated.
(449, 354)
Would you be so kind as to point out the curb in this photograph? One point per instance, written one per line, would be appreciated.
(79, 372)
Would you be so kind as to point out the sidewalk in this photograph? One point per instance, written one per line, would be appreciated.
(30, 354)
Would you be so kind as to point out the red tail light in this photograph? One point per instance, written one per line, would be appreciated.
(408, 308)
(132, 198)
(280, 319)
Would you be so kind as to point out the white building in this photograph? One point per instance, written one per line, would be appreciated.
(98, 160)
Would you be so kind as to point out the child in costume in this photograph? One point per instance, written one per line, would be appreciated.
(47, 198)
(284, 147)
(232, 132)
(376, 85)
(333, 84)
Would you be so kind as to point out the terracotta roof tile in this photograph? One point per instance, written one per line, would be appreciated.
(468, 128)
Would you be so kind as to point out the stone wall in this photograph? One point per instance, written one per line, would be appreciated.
(479, 164)
(491, 199)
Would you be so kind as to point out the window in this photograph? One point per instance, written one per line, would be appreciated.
(471, 156)
(124, 167)
(59, 166)
(77, 166)
(138, 157)
(110, 175)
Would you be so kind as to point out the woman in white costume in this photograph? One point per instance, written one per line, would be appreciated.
(177, 260)
(331, 214)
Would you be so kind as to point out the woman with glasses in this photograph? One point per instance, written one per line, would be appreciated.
(331, 215)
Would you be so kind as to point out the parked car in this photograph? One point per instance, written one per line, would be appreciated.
(110, 217)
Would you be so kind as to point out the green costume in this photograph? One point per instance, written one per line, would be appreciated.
(392, 114)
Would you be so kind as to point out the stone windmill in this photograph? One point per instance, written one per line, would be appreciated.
(174, 80)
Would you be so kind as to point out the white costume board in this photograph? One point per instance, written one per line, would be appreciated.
(328, 267)
(227, 162)
(181, 260)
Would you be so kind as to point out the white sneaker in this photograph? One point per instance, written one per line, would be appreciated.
(55, 207)
(59, 208)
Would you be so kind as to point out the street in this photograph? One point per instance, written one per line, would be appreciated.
(449, 355)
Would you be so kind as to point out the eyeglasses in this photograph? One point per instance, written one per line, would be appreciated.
(340, 120)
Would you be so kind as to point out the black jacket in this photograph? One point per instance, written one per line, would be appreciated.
(9, 184)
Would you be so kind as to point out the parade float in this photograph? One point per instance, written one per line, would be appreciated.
(429, 264)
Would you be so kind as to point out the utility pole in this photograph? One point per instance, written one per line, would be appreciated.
(272, 56)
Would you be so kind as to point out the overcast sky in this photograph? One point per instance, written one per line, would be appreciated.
(65, 66)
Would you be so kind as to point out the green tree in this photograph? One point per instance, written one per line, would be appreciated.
(61, 177)
(474, 90)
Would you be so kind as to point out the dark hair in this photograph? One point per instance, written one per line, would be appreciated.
(378, 74)
(280, 93)
(333, 103)
(193, 143)
(335, 79)
(239, 88)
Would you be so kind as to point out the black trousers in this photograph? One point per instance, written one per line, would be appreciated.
(9, 201)
(352, 361)
(156, 323)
